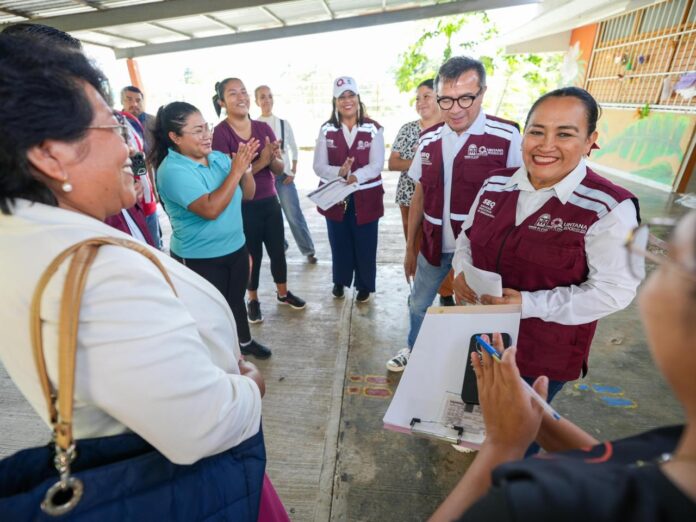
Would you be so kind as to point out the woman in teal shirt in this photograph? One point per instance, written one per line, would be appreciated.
(202, 192)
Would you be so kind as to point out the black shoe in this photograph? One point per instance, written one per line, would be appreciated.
(254, 311)
(292, 300)
(338, 292)
(258, 350)
(447, 300)
(363, 296)
(312, 259)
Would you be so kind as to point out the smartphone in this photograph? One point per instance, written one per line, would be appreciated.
(469, 388)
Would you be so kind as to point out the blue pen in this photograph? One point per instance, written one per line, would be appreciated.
(538, 398)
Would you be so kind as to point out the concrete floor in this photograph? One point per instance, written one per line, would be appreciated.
(327, 388)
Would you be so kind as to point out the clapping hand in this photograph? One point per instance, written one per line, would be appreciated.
(241, 160)
(345, 168)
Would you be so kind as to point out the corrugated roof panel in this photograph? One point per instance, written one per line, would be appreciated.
(300, 12)
(247, 19)
(192, 24)
(143, 31)
(103, 39)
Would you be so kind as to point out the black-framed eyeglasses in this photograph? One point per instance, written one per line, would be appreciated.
(120, 127)
(465, 101)
(205, 129)
(642, 244)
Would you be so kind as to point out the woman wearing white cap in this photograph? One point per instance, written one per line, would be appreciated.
(351, 146)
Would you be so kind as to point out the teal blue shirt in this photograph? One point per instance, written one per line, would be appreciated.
(180, 182)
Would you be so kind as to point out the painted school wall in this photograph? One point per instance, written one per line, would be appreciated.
(652, 148)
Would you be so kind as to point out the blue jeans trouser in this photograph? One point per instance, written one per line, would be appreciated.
(353, 250)
(425, 286)
(289, 201)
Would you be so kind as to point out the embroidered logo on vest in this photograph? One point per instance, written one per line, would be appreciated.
(330, 143)
(486, 208)
(425, 158)
(475, 152)
(545, 223)
(362, 145)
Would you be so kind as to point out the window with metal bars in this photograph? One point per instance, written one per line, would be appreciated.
(640, 57)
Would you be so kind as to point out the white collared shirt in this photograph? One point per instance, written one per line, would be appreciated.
(452, 143)
(609, 286)
(161, 365)
(330, 172)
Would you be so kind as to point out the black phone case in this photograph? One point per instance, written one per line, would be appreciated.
(469, 388)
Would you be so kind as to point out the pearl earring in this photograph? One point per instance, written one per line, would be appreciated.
(66, 186)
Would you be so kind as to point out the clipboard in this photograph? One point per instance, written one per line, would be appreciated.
(331, 193)
(440, 358)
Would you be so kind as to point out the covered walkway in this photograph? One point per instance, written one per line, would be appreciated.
(327, 388)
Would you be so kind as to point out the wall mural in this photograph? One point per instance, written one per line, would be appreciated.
(652, 147)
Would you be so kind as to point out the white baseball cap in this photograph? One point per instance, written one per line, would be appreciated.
(343, 84)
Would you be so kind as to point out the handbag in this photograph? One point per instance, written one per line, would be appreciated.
(121, 477)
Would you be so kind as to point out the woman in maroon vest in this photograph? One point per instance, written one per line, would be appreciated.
(263, 218)
(351, 146)
(554, 230)
(649, 476)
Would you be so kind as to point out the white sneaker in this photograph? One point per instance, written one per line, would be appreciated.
(399, 361)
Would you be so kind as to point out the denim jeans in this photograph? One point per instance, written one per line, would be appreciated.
(289, 201)
(425, 286)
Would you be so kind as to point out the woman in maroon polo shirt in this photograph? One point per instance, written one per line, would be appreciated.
(263, 218)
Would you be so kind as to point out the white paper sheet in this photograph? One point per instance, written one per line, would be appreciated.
(439, 359)
(332, 192)
(483, 282)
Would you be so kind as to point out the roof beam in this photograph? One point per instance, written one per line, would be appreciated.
(121, 37)
(165, 28)
(222, 23)
(272, 15)
(154, 11)
(328, 9)
(388, 17)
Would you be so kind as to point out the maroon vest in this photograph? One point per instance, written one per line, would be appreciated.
(368, 200)
(119, 222)
(547, 250)
(472, 165)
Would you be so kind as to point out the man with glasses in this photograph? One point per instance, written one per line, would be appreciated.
(132, 221)
(132, 100)
(453, 160)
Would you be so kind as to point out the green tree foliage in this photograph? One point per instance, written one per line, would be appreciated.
(514, 81)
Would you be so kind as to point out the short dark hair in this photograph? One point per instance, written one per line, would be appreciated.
(426, 83)
(42, 97)
(170, 118)
(131, 88)
(458, 65)
(592, 109)
(44, 33)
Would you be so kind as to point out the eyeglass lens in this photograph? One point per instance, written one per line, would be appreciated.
(464, 102)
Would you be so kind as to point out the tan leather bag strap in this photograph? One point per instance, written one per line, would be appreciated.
(60, 403)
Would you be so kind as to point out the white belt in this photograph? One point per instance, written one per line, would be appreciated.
(370, 185)
(432, 220)
(458, 217)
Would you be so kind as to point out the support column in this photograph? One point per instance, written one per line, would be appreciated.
(134, 73)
